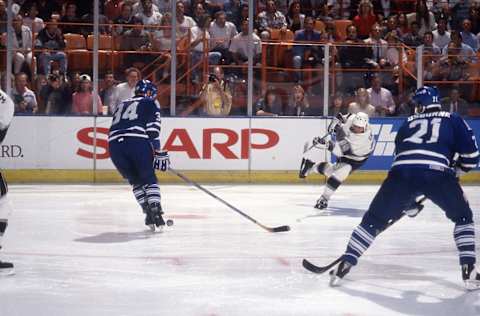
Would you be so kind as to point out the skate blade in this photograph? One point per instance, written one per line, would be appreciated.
(151, 227)
(7, 272)
(334, 280)
(472, 285)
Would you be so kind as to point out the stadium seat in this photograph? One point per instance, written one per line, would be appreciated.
(105, 52)
(319, 26)
(279, 51)
(341, 28)
(79, 58)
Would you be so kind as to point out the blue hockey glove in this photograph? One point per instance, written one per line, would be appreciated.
(161, 161)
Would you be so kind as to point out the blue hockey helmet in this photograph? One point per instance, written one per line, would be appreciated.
(427, 98)
(146, 88)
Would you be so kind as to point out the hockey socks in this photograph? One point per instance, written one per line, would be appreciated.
(360, 240)
(465, 240)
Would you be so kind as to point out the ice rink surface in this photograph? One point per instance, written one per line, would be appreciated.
(84, 250)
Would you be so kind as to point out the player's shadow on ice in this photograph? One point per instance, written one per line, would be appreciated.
(115, 237)
(413, 302)
(338, 211)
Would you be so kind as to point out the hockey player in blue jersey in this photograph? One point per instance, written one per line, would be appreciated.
(426, 147)
(134, 143)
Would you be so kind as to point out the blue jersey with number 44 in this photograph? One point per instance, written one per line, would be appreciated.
(434, 140)
(137, 117)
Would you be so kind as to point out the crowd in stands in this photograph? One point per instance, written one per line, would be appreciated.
(371, 40)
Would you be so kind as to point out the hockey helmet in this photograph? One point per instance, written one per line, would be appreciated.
(360, 120)
(427, 98)
(146, 88)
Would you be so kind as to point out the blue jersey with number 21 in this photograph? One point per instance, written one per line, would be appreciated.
(433, 140)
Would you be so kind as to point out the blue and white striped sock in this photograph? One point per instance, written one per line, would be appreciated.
(153, 193)
(359, 242)
(140, 195)
(465, 240)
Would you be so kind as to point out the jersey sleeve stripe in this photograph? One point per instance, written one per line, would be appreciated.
(467, 165)
(419, 162)
(424, 153)
(471, 155)
(154, 124)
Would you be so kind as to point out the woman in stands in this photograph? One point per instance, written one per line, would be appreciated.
(365, 19)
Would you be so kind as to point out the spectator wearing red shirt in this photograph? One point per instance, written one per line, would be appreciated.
(365, 19)
(83, 99)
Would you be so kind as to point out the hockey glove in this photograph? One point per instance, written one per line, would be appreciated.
(322, 142)
(334, 125)
(161, 161)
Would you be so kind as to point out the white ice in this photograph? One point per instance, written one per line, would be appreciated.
(83, 250)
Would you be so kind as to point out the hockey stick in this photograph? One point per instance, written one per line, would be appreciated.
(307, 148)
(321, 269)
(278, 229)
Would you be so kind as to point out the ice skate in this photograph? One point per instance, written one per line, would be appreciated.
(305, 168)
(471, 277)
(337, 274)
(6, 268)
(322, 203)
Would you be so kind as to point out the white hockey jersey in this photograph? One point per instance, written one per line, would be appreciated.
(352, 145)
(7, 107)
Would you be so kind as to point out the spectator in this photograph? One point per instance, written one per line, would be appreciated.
(429, 47)
(413, 38)
(241, 17)
(164, 6)
(365, 19)
(148, 15)
(474, 17)
(459, 48)
(104, 24)
(113, 9)
(22, 44)
(126, 89)
(83, 99)
(294, 17)
(162, 40)
(198, 11)
(460, 12)
(441, 37)
(324, 13)
(269, 105)
(136, 39)
(307, 54)
(216, 6)
(380, 97)
(379, 47)
(362, 103)
(467, 36)
(125, 17)
(239, 46)
(216, 94)
(184, 23)
(221, 33)
(424, 18)
(406, 105)
(454, 103)
(431, 56)
(453, 65)
(403, 27)
(199, 44)
(270, 19)
(395, 53)
(46, 8)
(444, 12)
(338, 105)
(354, 56)
(298, 104)
(141, 5)
(32, 20)
(3, 17)
(70, 17)
(24, 98)
(56, 96)
(50, 40)
(75, 81)
(107, 93)
(341, 8)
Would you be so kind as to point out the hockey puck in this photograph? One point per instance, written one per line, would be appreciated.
(169, 222)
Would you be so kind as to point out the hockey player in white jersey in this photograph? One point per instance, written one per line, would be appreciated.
(352, 146)
(6, 115)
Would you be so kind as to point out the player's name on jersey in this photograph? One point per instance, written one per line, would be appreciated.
(425, 115)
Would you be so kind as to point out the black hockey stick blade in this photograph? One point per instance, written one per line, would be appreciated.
(316, 269)
(279, 229)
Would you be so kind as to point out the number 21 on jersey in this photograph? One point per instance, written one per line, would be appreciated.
(425, 127)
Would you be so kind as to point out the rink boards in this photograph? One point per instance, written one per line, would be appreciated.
(75, 149)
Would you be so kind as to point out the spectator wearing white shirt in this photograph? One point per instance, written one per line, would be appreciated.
(381, 98)
(184, 22)
(239, 46)
(148, 15)
(126, 89)
(221, 34)
(22, 44)
(32, 20)
(140, 6)
(24, 98)
(467, 36)
(441, 37)
(424, 17)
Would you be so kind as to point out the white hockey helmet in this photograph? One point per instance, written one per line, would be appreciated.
(360, 120)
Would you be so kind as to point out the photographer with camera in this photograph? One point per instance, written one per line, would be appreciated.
(216, 94)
